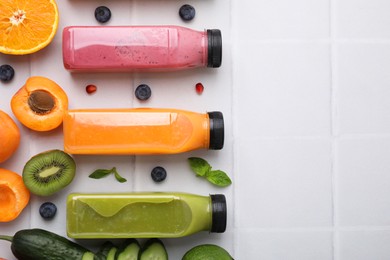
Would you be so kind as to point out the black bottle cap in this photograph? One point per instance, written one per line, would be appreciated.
(214, 58)
(217, 130)
(219, 213)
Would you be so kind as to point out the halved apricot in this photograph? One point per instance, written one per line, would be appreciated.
(40, 104)
(14, 196)
(9, 136)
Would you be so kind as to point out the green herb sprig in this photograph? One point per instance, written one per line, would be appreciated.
(101, 173)
(203, 169)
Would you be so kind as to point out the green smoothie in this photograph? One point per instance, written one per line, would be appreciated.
(138, 215)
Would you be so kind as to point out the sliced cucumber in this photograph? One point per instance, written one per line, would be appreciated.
(106, 251)
(153, 249)
(88, 256)
(129, 250)
(111, 254)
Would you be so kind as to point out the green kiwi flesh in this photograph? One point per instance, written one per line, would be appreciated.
(48, 172)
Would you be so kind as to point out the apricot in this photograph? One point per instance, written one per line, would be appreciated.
(40, 104)
(14, 196)
(9, 136)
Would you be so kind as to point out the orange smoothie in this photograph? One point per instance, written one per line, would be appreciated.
(141, 131)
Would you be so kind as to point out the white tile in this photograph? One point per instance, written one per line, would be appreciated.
(285, 245)
(209, 14)
(362, 18)
(362, 76)
(283, 89)
(76, 12)
(282, 19)
(363, 245)
(287, 183)
(177, 89)
(363, 194)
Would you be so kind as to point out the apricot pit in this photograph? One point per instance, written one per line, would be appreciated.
(40, 104)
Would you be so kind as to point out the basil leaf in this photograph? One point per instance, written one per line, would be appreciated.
(218, 178)
(100, 173)
(200, 166)
(118, 177)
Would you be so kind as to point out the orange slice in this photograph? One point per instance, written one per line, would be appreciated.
(26, 26)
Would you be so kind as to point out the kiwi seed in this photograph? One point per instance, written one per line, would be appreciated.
(48, 172)
(41, 102)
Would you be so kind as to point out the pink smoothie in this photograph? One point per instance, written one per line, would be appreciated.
(124, 48)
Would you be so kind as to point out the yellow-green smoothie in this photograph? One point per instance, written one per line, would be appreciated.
(141, 215)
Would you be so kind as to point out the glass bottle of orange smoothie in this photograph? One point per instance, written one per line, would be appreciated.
(141, 131)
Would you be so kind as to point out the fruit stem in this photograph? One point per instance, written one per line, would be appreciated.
(8, 238)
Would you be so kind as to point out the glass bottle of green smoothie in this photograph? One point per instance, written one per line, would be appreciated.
(144, 215)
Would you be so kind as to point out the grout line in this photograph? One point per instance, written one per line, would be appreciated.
(317, 229)
(333, 136)
(334, 126)
(288, 229)
(330, 40)
(235, 154)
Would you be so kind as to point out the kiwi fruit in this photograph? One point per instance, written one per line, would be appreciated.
(48, 172)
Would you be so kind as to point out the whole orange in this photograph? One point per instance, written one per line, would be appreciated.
(9, 136)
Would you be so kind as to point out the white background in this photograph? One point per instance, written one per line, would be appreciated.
(304, 88)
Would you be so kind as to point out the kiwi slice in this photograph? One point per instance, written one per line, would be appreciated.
(48, 172)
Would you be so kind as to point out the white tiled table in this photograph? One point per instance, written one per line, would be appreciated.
(304, 87)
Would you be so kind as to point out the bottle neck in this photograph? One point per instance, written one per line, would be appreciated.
(208, 213)
(201, 208)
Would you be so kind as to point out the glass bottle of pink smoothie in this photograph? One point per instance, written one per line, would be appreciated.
(128, 48)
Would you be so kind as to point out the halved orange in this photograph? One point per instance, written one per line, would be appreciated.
(26, 26)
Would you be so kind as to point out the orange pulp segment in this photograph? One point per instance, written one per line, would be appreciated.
(26, 26)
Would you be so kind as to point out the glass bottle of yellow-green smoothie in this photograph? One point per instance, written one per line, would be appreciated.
(144, 215)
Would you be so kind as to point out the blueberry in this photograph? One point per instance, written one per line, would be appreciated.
(158, 174)
(187, 12)
(48, 210)
(143, 92)
(102, 14)
(6, 73)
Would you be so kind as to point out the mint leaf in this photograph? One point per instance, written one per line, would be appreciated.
(203, 169)
(101, 173)
(200, 166)
(218, 178)
(118, 177)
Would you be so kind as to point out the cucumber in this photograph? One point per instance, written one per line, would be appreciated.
(38, 244)
(129, 250)
(111, 253)
(207, 252)
(153, 249)
(107, 252)
(88, 256)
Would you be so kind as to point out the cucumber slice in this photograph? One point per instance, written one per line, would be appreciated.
(107, 252)
(88, 256)
(153, 249)
(111, 254)
(129, 250)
